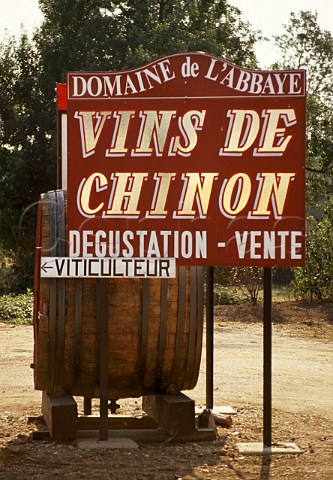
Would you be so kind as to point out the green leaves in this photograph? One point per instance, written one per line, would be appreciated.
(17, 309)
(315, 280)
(250, 280)
(305, 45)
(90, 35)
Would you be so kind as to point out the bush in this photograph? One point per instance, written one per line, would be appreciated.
(222, 275)
(16, 271)
(17, 309)
(249, 280)
(314, 282)
(227, 296)
(5, 266)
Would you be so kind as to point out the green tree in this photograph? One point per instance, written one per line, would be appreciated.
(25, 156)
(315, 280)
(86, 35)
(250, 280)
(99, 34)
(305, 45)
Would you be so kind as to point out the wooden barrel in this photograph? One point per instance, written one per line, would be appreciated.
(155, 325)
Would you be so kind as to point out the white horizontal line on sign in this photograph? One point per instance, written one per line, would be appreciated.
(187, 97)
(80, 267)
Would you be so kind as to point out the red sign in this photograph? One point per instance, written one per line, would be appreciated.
(189, 157)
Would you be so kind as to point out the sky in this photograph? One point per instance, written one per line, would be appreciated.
(269, 16)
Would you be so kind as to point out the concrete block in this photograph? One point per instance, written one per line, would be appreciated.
(254, 448)
(174, 413)
(110, 444)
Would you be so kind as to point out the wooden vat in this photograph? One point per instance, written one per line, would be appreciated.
(155, 325)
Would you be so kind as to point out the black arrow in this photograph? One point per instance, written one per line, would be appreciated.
(44, 268)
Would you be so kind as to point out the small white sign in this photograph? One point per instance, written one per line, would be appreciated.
(80, 267)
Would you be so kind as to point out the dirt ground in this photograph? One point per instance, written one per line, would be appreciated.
(302, 407)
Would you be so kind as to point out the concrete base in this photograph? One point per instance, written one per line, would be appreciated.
(110, 444)
(153, 435)
(260, 449)
(219, 410)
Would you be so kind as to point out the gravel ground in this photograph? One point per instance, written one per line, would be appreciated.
(302, 408)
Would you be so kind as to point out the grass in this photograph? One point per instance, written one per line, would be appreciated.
(282, 294)
(230, 295)
(279, 294)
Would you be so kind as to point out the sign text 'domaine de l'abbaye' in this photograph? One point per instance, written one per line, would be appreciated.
(189, 157)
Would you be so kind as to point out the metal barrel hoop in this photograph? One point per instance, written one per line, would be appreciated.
(200, 306)
(192, 337)
(144, 330)
(162, 342)
(53, 289)
(61, 287)
(180, 325)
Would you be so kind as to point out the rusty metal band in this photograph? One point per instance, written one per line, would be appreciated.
(61, 290)
(61, 223)
(87, 405)
(192, 337)
(37, 267)
(144, 330)
(103, 325)
(180, 325)
(200, 306)
(162, 341)
(78, 295)
(53, 287)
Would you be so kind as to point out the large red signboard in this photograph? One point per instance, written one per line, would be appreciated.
(189, 157)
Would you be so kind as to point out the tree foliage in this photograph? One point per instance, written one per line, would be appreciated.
(86, 35)
(315, 280)
(124, 34)
(305, 45)
(26, 167)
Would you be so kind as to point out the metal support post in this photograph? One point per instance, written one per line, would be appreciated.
(209, 337)
(267, 357)
(102, 318)
(87, 406)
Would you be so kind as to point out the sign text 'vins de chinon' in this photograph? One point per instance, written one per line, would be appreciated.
(189, 157)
